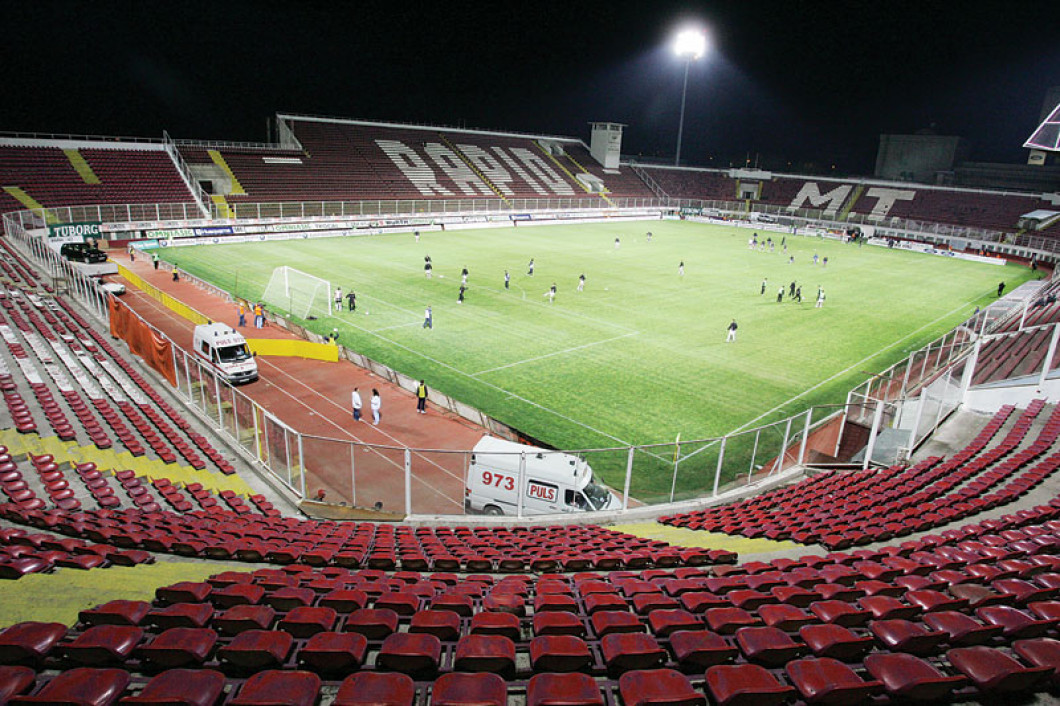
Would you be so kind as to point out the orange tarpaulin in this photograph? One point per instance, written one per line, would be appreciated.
(145, 342)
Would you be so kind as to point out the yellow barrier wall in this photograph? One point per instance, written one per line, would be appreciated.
(180, 308)
(294, 349)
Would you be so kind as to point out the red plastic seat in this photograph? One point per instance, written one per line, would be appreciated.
(373, 623)
(505, 624)
(746, 685)
(116, 613)
(835, 641)
(962, 630)
(829, 681)
(478, 689)
(1041, 652)
(292, 688)
(930, 601)
(237, 594)
(15, 681)
(84, 686)
(305, 621)
(1016, 624)
(192, 687)
(184, 592)
(770, 647)
(257, 649)
(994, 672)
(410, 653)
(696, 650)
(333, 652)
(104, 645)
(180, 647)
(241, 618)
(558, 623)
(785, 617)
(658, 687)
(909, 677)
(840, 613)
(726, 621)
(376, 689)
(906, 636)
(344, 600)
(563, 690)
(485, 653)
(29, 642)
(609, 622)
(631, 650)
(559, 653)
(443, 624)
(888, 608)
(667, 621)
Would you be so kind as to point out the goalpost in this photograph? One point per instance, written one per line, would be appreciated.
(298, 292)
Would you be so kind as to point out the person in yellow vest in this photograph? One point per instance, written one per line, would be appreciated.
(421, 398)
(242, 314)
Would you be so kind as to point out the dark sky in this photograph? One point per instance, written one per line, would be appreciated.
(789, 80)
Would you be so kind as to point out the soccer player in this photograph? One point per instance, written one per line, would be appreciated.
(765, 281)
(581, 283)
(460, 296)
(1000, 288)
(798, 294)
(681, 268)
(551, 293)
(463, 277)
(507, 279)
(530, 268)
(820, 299)
(780, 294)
(649, 236)
(428, 320)
(351, 299)
(338, 298)
(791, 289)
(618, 243)
(731, 336)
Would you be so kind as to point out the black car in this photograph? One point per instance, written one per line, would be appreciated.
(82, 252)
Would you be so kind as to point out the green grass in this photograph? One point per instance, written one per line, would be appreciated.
(640, 356)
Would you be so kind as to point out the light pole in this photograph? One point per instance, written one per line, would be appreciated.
(689, 44)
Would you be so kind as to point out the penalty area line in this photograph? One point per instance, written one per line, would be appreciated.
(554, 353)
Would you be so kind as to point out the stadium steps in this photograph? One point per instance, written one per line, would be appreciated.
(224, 209)
(849, 205)
(20, 445)
(571, 176)
(29, 202)
(81, 167)
(219, 160)
(582, 170)
(485, 179)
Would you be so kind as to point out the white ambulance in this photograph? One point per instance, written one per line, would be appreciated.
(226, 352)
(549, 481)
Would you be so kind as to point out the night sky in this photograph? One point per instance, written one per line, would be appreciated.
(812, 84)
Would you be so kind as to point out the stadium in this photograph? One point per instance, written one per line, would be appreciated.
(531, 421)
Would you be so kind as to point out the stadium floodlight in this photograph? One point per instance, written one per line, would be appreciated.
(690, 44)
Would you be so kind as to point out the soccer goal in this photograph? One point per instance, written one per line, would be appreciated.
(298, 292)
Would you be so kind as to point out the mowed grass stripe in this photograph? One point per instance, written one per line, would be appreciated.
(541, 367)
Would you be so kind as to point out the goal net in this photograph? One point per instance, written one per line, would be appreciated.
(298, 292)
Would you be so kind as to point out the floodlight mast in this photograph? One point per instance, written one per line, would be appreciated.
(689, 44)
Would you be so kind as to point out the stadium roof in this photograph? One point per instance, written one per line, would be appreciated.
(1047, 136)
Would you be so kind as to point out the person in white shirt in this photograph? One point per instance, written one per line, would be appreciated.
(377, 404)
(357, 404)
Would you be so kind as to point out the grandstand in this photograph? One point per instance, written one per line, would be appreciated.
(184, 504)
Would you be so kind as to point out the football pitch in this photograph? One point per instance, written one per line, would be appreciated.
(640, 356)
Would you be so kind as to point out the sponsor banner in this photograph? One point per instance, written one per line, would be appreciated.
(75, 232)
(214, 230)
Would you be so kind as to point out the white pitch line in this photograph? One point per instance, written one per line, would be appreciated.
(387, 328)
(495, 387)
(846, 370)
(554, 353)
